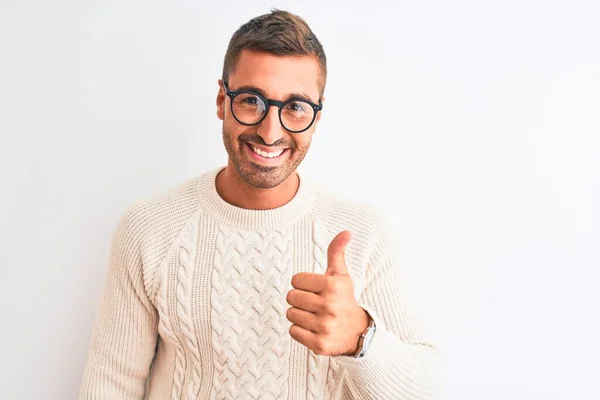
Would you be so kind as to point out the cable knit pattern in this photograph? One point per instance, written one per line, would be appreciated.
(250, 281)
(333, 373)
(194, 304)
(187, 257)
(313, 385)
(165, 329)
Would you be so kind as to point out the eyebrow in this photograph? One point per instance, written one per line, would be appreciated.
(301, 96)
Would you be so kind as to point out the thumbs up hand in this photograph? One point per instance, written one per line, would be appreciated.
(325, 316)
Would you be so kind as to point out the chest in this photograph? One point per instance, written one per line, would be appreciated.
(220, 296)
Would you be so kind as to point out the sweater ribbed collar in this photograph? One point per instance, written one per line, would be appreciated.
(243, 218)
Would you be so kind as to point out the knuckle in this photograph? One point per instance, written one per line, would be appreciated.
(321, 325)
(335, 284)
(330, 282)
(326, 326)
(329, 308)
(320, 348)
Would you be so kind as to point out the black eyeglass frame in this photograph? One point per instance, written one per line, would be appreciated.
(270, 102)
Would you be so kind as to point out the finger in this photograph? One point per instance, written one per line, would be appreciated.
(302, 318)
(309, 282)
(304, 300)
(336, 261)
(303, 336)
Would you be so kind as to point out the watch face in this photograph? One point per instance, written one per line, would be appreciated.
(368, 338)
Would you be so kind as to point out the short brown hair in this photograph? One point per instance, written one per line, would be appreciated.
(280, 33)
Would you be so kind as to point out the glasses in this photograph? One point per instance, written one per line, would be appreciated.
(250, 108)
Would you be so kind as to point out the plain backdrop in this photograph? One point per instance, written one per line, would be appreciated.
(474, 125)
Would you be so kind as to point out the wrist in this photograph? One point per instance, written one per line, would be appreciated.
(365, 321)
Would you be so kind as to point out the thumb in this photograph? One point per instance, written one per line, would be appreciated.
(336, 261)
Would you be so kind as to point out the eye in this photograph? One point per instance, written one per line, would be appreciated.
(248, 102)
(249, 99)
(297, 106)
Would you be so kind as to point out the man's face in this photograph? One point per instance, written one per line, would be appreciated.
(278, 78)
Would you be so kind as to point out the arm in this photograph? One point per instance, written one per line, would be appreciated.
(400, 363)
(125, 330)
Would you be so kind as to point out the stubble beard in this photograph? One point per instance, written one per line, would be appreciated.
(261, 176)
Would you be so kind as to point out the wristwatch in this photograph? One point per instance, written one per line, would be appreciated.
(365, 338)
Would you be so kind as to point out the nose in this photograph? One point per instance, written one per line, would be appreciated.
(270, 128)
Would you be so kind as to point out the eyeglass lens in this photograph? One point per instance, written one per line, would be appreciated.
(249, 108)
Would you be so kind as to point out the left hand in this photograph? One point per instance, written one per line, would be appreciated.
(325, 316)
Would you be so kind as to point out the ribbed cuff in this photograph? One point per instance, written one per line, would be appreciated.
(393, 369)
(375, 355)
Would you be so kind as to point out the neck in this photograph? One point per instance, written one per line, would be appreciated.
(235, 191)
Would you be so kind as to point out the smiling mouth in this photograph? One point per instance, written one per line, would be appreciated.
(266, 155)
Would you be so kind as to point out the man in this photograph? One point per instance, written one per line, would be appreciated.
(249, 281)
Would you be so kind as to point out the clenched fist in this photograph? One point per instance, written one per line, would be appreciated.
(325, 316)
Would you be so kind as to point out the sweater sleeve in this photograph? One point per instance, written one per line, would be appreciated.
(400, 363)
(125, 329)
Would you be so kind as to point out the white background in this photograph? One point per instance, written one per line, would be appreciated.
(474, 125)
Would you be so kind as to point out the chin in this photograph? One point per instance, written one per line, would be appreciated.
(263, 177)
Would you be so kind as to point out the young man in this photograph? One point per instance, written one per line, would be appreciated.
(249, 281)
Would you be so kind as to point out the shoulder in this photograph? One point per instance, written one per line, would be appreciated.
(162, 207)
(371, 227)
(336, 209)
(373, 237)
(149, 225)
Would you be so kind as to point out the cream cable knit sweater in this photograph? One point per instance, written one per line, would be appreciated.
(194, 303)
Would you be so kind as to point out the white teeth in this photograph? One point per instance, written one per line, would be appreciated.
(265, 154)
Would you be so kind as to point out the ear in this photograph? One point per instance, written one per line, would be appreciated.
(221, 101)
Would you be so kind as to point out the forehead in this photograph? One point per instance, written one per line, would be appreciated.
(277, 76)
